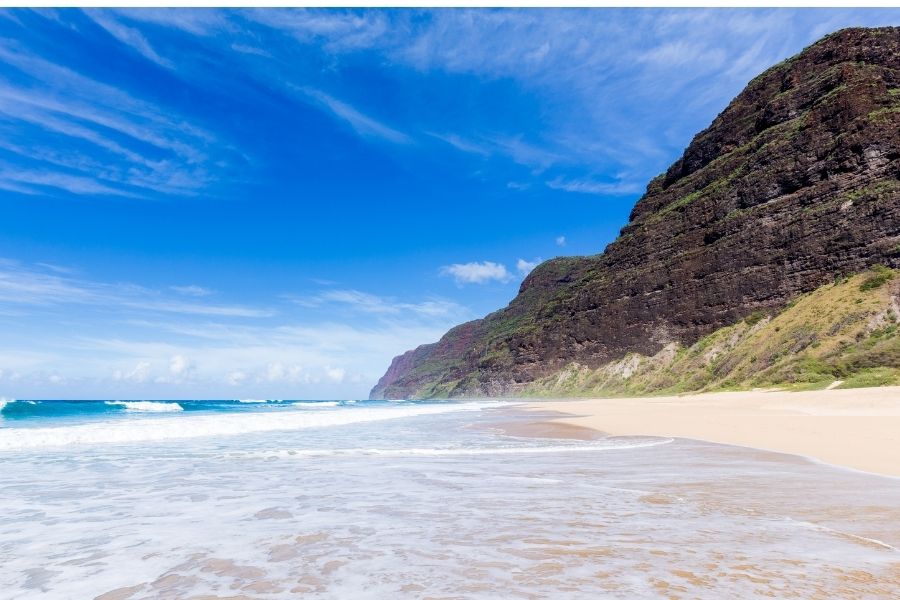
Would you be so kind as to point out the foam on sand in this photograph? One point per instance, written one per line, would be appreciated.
(600, 445)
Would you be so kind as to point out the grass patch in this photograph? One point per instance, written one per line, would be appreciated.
(874, 377)
(755, 317)
(878, 277)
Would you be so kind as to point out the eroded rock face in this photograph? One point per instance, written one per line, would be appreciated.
(796, 182)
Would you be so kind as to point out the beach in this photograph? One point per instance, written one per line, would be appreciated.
(419, 499)
(853, 428)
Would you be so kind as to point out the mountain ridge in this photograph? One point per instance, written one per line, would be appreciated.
(795, 183)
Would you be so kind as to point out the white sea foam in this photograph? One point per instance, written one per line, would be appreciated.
(316, 404)
(860, 538)
(495, 514)
(145, 430)
(617, 444)
(149, 406)
(251, 401)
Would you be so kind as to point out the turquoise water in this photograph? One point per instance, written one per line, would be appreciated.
(34, 412)
(359, 499)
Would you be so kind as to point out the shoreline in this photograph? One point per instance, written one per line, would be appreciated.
(857, 429)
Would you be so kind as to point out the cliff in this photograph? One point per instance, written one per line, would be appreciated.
(796, 183)
(843, 334)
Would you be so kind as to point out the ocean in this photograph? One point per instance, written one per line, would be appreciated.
(417, 499)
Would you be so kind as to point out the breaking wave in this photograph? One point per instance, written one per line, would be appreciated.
(202, 425)
(146, 406)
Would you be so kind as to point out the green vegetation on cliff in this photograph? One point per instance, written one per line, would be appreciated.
(843, 332)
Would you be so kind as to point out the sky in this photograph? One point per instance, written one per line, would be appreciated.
(274, 203)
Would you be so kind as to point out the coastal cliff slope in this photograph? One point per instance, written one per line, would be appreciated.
(796, 183)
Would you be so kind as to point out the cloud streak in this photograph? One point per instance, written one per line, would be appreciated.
(129, 147)
(362, 124)
(24, 285)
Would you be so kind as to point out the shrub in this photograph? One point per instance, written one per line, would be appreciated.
(878, 277)
(755, 317)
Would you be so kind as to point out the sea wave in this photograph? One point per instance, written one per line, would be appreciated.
(186, 426)
(145, 406)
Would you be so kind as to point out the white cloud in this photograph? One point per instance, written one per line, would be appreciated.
(139, 374)
(462, 144)
(335, 374)
(244, 48)
(362, 301)
(477, 272)
(151, 340)
(525, 267)
(20, 284)
(200, 22)
(512, 147)
(278, 371)
(138, 147)
(192, 290)
(275, 371)
(180, 367)
(236, 377)
(561, 240)
(372, 304)
(35, 180)
(602, 188)
(337, 30)
(128, 36)
(364, 125)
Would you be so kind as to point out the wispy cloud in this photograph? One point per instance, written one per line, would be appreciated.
(129, 36)
(323, 360)
(378, 305)
(192, 290)
(128, 340)
(512, 147)
(128, 147)
(364, 125)
(601, 188)
(462, 144)
(24, 285)
(336, 30)
(582, 75)
(34, 180)
(198, 21)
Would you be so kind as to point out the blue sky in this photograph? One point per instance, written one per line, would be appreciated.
(273, 203)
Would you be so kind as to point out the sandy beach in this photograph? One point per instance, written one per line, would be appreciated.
(855, 428)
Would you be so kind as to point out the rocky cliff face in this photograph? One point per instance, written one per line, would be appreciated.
(795, 183)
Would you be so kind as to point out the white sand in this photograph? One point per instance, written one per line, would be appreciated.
(857, 428)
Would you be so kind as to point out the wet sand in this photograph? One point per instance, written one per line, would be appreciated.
(856, 428)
